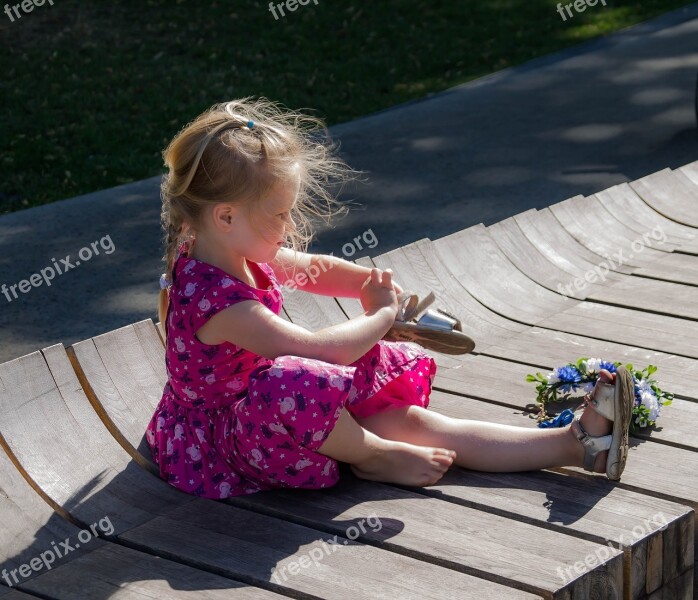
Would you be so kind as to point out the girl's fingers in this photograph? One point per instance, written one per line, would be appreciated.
(388, 279)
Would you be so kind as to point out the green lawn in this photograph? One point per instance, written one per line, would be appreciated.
(92, 94)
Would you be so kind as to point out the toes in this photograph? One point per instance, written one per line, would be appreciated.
(444, 458)
(607, 376)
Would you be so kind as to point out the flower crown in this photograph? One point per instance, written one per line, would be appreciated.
(649, 398)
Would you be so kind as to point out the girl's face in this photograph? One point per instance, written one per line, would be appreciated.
(263, 232)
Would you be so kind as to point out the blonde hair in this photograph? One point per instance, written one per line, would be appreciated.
(217, 158)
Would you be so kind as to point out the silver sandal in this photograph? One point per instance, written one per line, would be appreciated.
(613, 401)
(435, 330)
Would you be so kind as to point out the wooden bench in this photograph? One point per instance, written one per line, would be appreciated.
(72, 424)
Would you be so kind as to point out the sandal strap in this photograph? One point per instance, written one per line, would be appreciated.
(409, 305)
(592, 444)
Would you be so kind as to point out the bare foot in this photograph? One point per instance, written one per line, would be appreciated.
(405, 464)
(595, 424)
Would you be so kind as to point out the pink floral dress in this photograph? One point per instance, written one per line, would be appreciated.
(231, 422)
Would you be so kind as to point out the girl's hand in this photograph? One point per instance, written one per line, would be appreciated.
(378, 291)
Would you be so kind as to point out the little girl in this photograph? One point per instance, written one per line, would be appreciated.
(254, 402)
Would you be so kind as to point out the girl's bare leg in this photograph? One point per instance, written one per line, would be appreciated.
(484, 446)
(391, 461)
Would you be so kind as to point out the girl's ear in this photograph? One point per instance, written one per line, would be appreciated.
(224, 215)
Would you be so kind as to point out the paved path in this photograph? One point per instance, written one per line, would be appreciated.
(572, 123)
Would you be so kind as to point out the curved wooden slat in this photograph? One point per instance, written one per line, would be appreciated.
(632, 292)
(670, 193)
(624, 204)
(417, 268)
(467, 254)
(525, 256)
(479, 265)
(604, 235)
(631, 327)
(552, 240)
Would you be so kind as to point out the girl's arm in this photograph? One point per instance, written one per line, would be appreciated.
(251, 325)
(321, 274)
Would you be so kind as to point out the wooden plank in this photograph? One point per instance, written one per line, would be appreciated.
(546, 349)
(30, 528)
(480, 544)
(678, 589)
(341, 567)
(602, 234)
(11, 594)
(139, 576)
(634, 226)
(661, 297)
(625, 205)
(552, 240)
(631, 327)
(670, 193)
(680, 268)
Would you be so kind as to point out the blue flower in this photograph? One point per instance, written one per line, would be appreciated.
(570, 378)
(609, 366)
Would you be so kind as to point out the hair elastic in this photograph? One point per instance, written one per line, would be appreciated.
(250, 124)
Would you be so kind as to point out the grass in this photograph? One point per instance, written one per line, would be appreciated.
(92, 94)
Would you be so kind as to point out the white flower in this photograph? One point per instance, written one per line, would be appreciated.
(553, 377)
(644, 386)
(649, 400)
(592, 365)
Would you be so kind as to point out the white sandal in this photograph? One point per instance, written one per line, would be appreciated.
(435, 330)
(615, 402)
